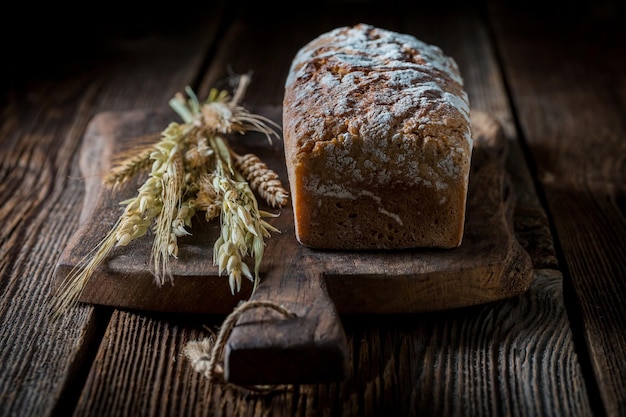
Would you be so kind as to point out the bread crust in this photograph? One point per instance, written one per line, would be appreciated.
(377, 140)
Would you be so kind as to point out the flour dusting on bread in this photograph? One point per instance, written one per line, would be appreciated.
(377, 141)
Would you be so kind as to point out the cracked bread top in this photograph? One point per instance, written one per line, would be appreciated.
(366, 83)
(377, 140)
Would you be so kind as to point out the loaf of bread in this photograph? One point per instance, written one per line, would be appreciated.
(378, 142)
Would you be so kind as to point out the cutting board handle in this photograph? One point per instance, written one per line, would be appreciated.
(266, 347)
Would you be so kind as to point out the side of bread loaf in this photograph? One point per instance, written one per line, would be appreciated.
(377, 142)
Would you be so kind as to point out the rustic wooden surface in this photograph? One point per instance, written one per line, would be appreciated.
(490, 264)
(555, 80)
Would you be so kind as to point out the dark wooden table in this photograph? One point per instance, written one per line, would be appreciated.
(554, 77)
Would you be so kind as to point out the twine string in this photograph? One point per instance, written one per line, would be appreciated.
(206, 355)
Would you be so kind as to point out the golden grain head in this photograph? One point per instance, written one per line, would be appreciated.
(191, 168)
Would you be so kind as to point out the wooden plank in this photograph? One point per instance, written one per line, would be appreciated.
(455, 29)
(511, 357)
(565, 79)
(42, 123)
(489, 265)
(487, 360)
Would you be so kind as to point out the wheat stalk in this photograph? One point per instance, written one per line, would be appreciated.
(191, 167)
(262, 179)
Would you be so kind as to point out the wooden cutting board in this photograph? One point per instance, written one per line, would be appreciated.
(316, 285)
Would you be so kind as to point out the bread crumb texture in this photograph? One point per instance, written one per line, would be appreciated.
(377, 142)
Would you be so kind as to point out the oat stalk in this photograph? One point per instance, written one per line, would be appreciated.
(191, 169)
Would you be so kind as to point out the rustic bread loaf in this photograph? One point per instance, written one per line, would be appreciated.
(377, 142)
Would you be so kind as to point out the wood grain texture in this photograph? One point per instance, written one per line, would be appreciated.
(447, 29)
(487, 93)
(311, 347)
(35, 159)
(574, 128)
(513, 357)
(44, 363)
(489, 265)
(496, 359)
